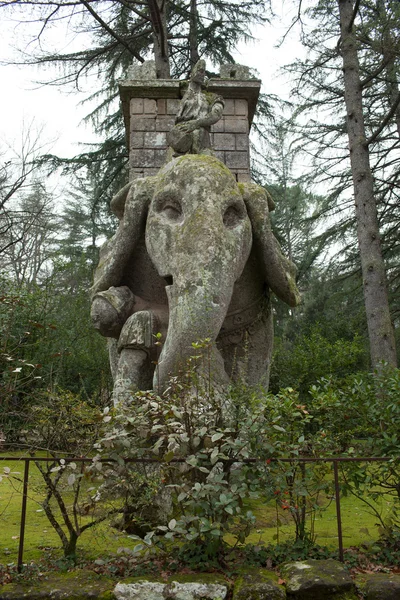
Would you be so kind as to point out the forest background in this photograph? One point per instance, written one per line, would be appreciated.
(347, 259)
(329, 155)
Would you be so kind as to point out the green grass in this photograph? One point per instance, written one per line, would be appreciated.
(40, 536)
(359, 526)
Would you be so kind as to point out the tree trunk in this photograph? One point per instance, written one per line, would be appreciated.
(158, 16)
(193, 39)
(380, 330)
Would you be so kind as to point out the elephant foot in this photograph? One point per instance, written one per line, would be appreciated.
(134, 373)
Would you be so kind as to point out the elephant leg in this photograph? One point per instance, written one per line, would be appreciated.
(134, 373)
(136, 356)
(247, 352)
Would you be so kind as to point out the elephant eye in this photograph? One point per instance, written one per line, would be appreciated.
(233, 215)
(172, 212)
(170, 208)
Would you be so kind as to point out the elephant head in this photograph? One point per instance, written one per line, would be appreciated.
(188, 232)
(199, 237)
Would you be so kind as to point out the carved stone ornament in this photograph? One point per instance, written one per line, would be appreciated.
(198, 110)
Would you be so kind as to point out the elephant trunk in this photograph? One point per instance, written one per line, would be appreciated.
(196, 313)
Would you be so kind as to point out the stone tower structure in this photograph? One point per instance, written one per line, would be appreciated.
(150, 105)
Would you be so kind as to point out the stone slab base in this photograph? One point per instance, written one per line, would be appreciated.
(316, 580)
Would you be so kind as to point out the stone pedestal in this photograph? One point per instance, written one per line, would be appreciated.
(149, 109)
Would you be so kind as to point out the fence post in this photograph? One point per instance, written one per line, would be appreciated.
(23, 516)
(338, 514)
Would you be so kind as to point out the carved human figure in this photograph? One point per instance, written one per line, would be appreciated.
(193, 257)
(197, 111)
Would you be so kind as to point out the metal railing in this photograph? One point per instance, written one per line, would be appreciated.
(333, 460)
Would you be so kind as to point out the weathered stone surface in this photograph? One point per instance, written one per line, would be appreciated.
(137, 106)
(379, 586)
(238, 160)
(229, 108)
(142, 158)
(258, 584)
(197, 112)
(150, 106)
(224, 141)
(197, 254)
(146, 590)
(233, 71)
(143, 71)
(173, 591)
(79, 586)
(242, 141)
(154, 139)
(236, 125)
(241, 107)
(143, 124)
(318, 580)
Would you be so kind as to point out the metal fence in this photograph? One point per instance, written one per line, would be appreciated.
(333, 460)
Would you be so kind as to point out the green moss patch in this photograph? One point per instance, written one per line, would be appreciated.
(63, 586)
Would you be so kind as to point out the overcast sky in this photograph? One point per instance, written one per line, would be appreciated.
(59, 112)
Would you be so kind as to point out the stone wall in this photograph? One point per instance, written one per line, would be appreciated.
(150, 107)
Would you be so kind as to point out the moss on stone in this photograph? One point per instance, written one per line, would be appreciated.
(62, 586)
(199, 578)
(258, 584)
(319, 580)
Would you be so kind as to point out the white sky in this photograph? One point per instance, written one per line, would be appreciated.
(58, 112)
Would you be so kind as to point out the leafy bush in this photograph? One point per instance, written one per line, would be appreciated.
(301, 362)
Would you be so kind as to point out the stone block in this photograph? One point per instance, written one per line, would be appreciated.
(242, 141)
(380, 586)
(141, 158)
(160, 157)
(224, 141)
(155, 139)
(150, 106)
(150, 172)
(241, 108)
(136, 106)
(165, 123)
(137, 139)
(218, 127)
(236, 125)
(243, 177)
(237, 160)
(161, 106)
(135, 173)
(258, 584)
(234, 71)
(229, 108)
(148, 590)
(172, 106)
(143, 124)
(143, 71)
(318, 580)
(220, 155)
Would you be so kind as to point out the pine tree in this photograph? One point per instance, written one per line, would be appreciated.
(346, 122)
(109, 35)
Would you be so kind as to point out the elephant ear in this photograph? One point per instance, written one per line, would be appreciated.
(131, 206)
(280, 273)
(118, 202)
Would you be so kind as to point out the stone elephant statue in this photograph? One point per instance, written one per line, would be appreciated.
(193, 257)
